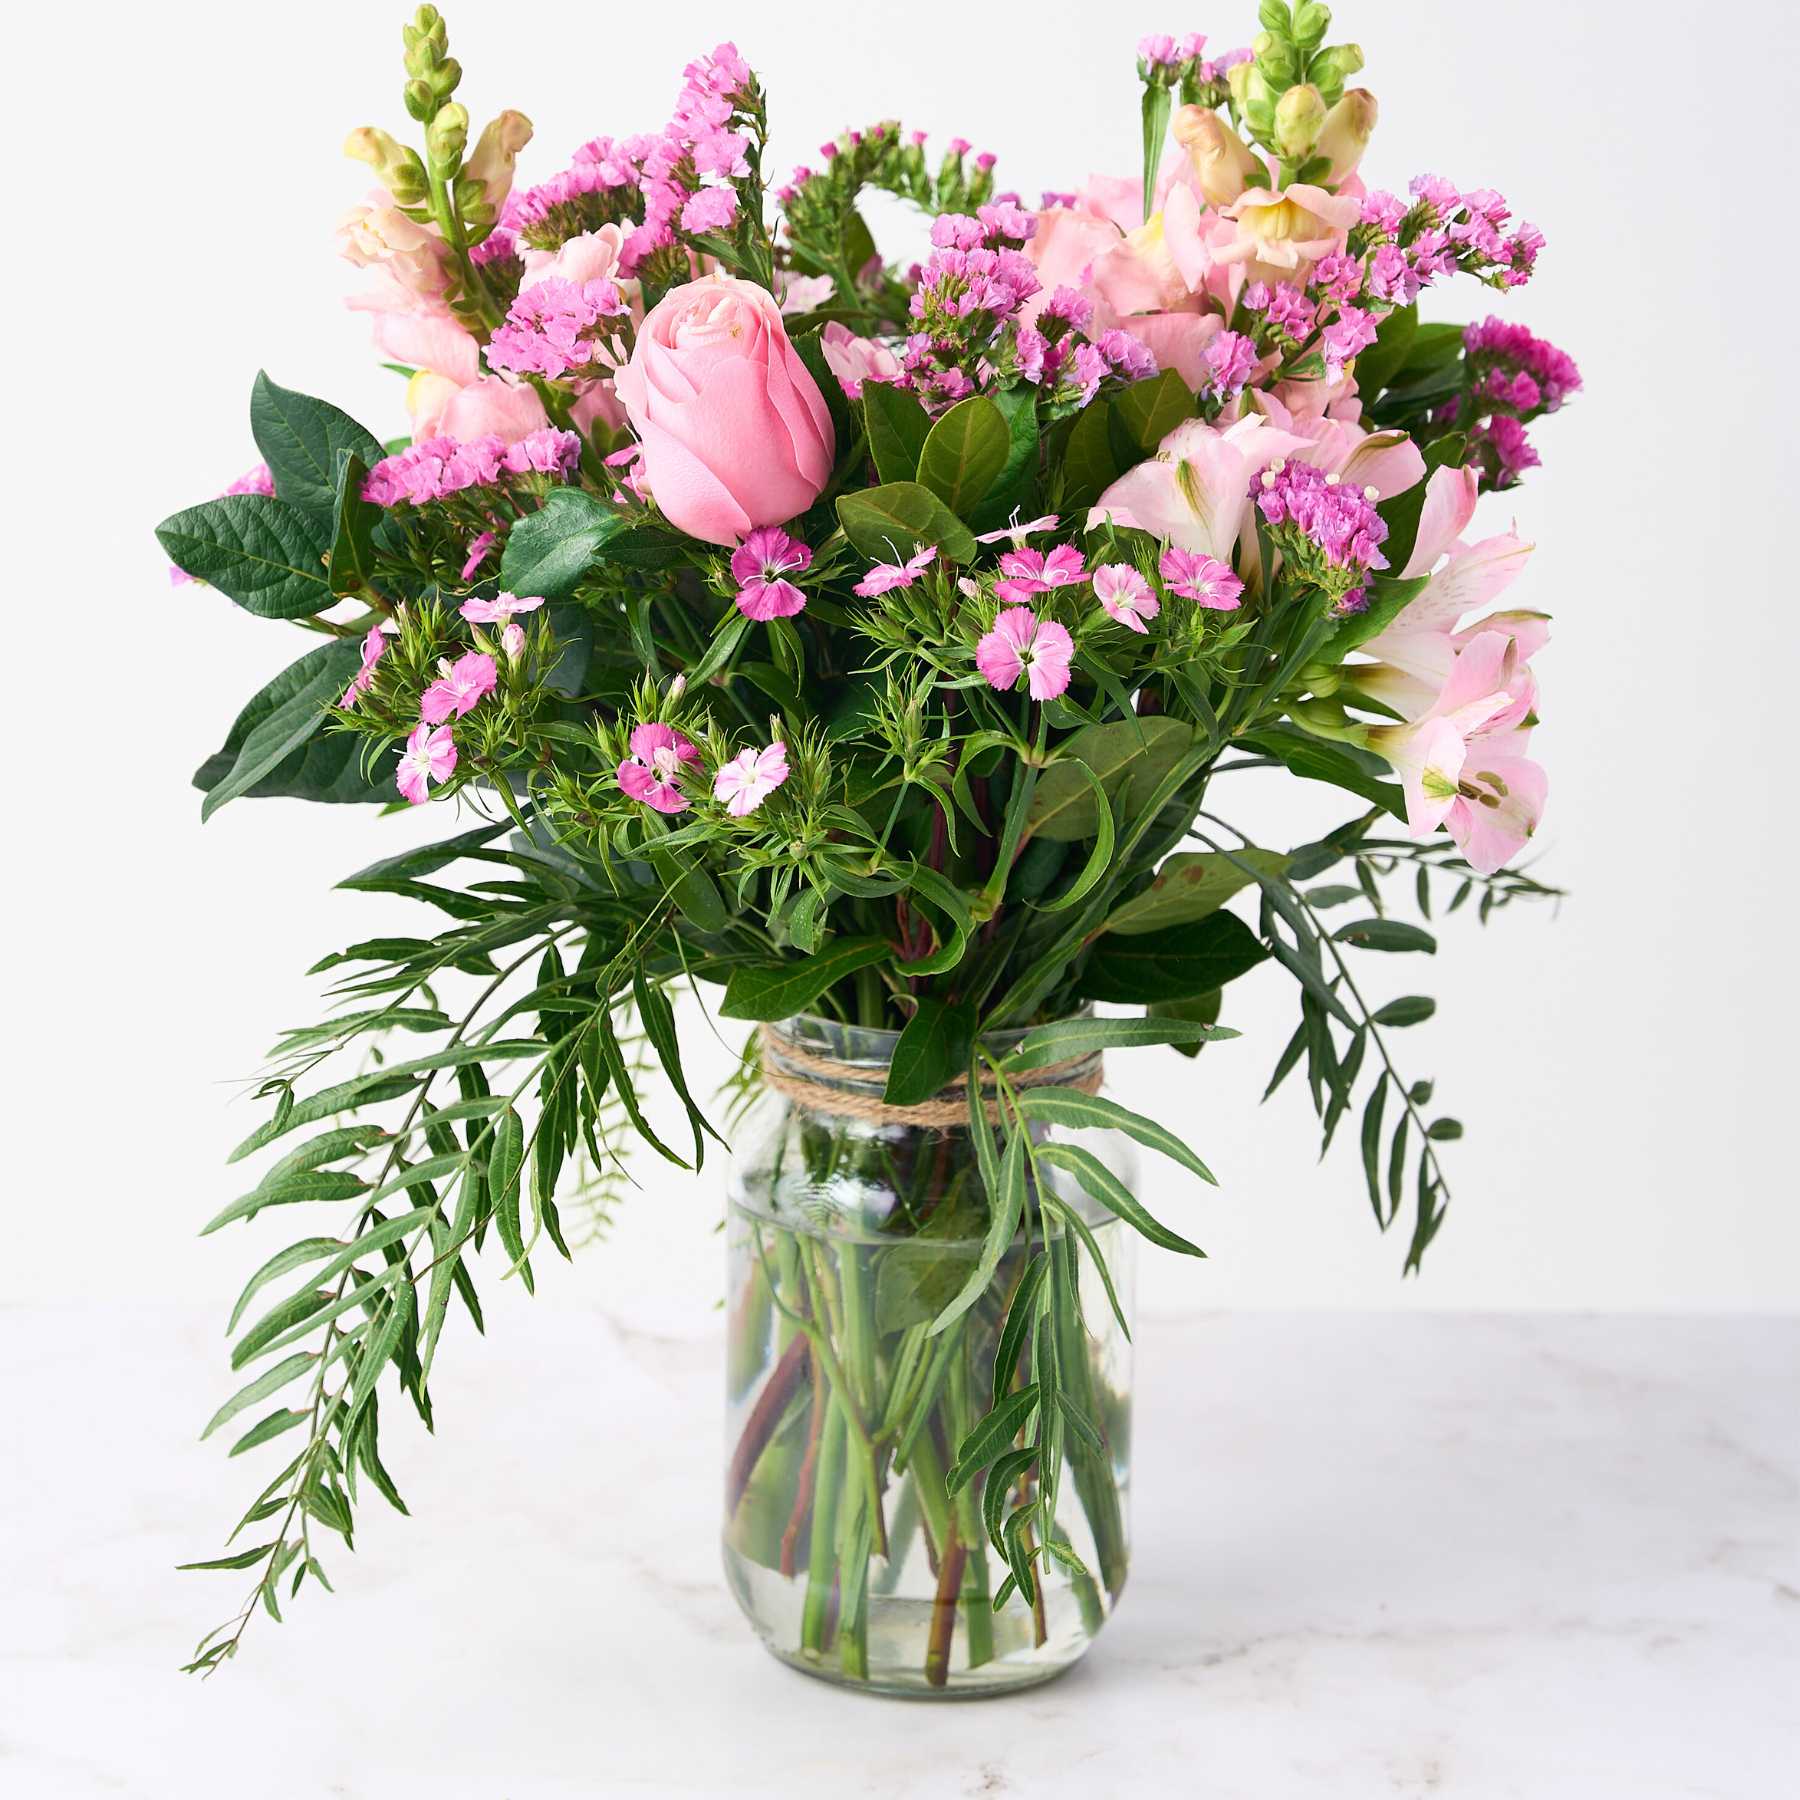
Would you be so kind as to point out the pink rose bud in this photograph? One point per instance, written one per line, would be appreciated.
(735, 432)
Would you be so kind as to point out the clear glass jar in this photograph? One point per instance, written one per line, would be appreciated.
(848, 1235)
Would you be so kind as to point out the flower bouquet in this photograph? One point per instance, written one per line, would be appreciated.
(864, 644)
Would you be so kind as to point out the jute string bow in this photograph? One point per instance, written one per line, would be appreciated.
(853, 1090)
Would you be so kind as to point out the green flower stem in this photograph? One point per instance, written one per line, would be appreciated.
(1093, 1470)
(821, 1562)
(977, 1590)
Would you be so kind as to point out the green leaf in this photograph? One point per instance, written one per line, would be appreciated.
(990, 1436)
(1070, 1038)
(289, 711)
(351, 559)
(1371, 1145)
(1313, 759)
(302, 440)
(886, 524)
(1130, 756)
(1090, 465)
(771, 991)
(261, 1388)
(1104, 1186)
(547, 552)
(283, 1262)
(360, 1090)
(315, 1185)
(964, 453)
(427, 859)
(1410, 1009)
(1385, 934)
(1377, 365)
(1401, 515)
(1100, 855)
(1149, 410)
(1203, 1009)
(1018, 1322)
(243, 1559)
(272, 1427)
(1388, 598)
(1444, 1131)
(1090, 1112)
(1189, 886)
(262, 553)
(1006, 1207)
(1173, 964)
(898, 427)
(1018, 406)
(932, 1050)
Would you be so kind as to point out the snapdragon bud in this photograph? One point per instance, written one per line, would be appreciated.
(490, 164)
(426, 39)
(1348, 127)
(421, 102)
(1222, 162)
(397, 167)
(1311, 22)
(446, 136)
(1299, 118)
(1330, 69)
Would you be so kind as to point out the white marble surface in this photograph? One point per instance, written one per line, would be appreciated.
(1401, 1554)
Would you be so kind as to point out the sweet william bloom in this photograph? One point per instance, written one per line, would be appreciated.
(884, 576)
(1023, 644)
(479, 546)
(750, 778)
(1201, 578)
(1018, 531)
(734, 430)
(372, 647)
(648, 774)
(429, 756)
(1028, 572)
(1125, 595)
(460, 687)
(760, 566)
(512, 640)
(499, 609)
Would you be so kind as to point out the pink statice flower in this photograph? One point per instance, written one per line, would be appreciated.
(1230, 360)
(547, 451)
(479, 546)
(1028, 572)
(1023, 644)
(649, 774)
(499, 609)
(372, 647)
(460, 687)
(711, 209)
(750, 778)
(258, 480)
(429, 756)
(885, 576)
(1201, 578)
(760, 566)
(1125, 596)
(554, 327)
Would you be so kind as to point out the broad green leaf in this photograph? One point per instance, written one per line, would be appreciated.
(1100, 854)
(1377, 365)
(1069, 1038)
(1173, 964)
(302, 439)
(1129, 756)
(886, 524)
(1090, 464)
(1147, 411)
(308, 689)
(1410, 1009)
(1188, 886)
(351, 559)
(1104, 1186)
(262, 553)
(1200, 1009)
(1091, 1112)
(932, 1050)
(547, 552)
(964, 453)
(1385, 934)
(1012, 486)
(772, 991)
(898, 426)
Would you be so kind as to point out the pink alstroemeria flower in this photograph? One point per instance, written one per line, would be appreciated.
(1029, 572)
(750, 778)
(895, 575)
(1126, 596)
(429, 756)
(1023, 644)
(1200, 578)
(372, 647)
(499, 609)
(459, 688)
(1195, 491)
(760, 566)
(658, 755)
(1461, 762)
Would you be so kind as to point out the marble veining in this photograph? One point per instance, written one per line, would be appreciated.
(1374, 1554)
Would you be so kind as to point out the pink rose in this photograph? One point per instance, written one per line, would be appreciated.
(735, 432)
(493, 406)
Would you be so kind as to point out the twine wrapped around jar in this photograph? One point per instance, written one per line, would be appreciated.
(854, 1090)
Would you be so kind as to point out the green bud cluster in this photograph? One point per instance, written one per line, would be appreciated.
(1294, 80)
(433, 76)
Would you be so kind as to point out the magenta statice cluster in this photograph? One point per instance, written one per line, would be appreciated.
(1342, 532)
(1515, 369)
(676, 180)
(440, 467)
(553, 327)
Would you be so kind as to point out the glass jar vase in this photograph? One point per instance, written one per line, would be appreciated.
(850, 1542)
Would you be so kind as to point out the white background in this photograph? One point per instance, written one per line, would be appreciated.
(1625, 1071)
